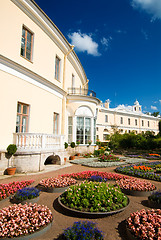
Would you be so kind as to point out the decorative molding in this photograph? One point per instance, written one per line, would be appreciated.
(23, 73)
(81, 98)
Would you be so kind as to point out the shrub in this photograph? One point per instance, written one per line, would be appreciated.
(66, 145)
(83, 231)
(72, 144)
(11, 149)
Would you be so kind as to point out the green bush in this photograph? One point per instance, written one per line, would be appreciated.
(65, 145)
(11, 149)
(72, 144)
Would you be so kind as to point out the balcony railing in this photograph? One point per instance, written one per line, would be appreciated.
(38, 141)
(81, 91)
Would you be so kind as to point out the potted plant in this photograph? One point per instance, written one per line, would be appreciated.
(72, 146)
(66, 146)
(11, 149)
(78, 142)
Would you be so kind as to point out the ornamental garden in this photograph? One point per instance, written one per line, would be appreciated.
(118, 202)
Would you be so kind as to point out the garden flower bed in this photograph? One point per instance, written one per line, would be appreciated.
(144, 225)
(26, 195)
(154, 200)
(129, 170)
(19, 220)
(143, 168)
(9, 189)
(56, 184)
(93, 197)
(94, 162)
(136, 187)
(88, 174)
(84, 230)
(108, 158)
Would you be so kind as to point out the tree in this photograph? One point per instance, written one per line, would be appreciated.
(155, 114)
(160, 127)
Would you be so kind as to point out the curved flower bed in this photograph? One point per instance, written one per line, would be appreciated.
(108, 158)
(135, 184)
(94, 197)
(88, 174)
(83, 230)
(129, 170)
(145, 224)
(154, 200)
(58, 182)
(8, 189)
(19, 220)
(26, 194)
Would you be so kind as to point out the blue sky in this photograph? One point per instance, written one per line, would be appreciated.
(119, 45)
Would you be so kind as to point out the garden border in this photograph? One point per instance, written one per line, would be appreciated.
(137, 193)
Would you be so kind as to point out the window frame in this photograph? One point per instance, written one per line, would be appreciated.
(56, 123)
(25, 49)
(21, 115)
(57, 69)
(106, 118)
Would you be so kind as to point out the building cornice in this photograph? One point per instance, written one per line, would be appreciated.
(34, 12)
(130, 114)
(20, 71)
(80, 98)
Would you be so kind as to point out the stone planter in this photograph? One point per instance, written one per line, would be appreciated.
(11, 170)
(130, 236)
(72, 157)
(52, 189)
(137, 193)
(154, 204)
(33, 200)
(33, 235)
(89, 214)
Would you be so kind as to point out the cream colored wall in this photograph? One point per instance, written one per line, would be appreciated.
(68, 76)
(42, 106)
(44, 50)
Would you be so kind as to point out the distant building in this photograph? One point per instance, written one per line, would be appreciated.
(124, 119)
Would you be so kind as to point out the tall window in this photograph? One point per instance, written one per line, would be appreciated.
(55, 123)
(121, 120)
(106, 118)
(83, 130)
(26, 44)
(57, 68)
(142, 123)
(129, 121)
(148, 124)
(70, 129)
(22, 118)
(94, 133)
(136, 123)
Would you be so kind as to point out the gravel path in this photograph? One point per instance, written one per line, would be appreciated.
(112, 226)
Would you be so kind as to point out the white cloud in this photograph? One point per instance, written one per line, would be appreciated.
(152, 7)
(145, 34)
(84, 43)
(160, 101)
(153, 107)
(105, 42)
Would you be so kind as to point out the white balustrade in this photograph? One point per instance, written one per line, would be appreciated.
(38, 141)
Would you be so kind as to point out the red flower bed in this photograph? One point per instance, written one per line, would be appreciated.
(88, 174)
(18, 220)
(7, 189)
(145, 224)
(135, 184)
(57, 182)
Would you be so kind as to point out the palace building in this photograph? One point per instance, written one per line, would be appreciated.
(45, 100)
